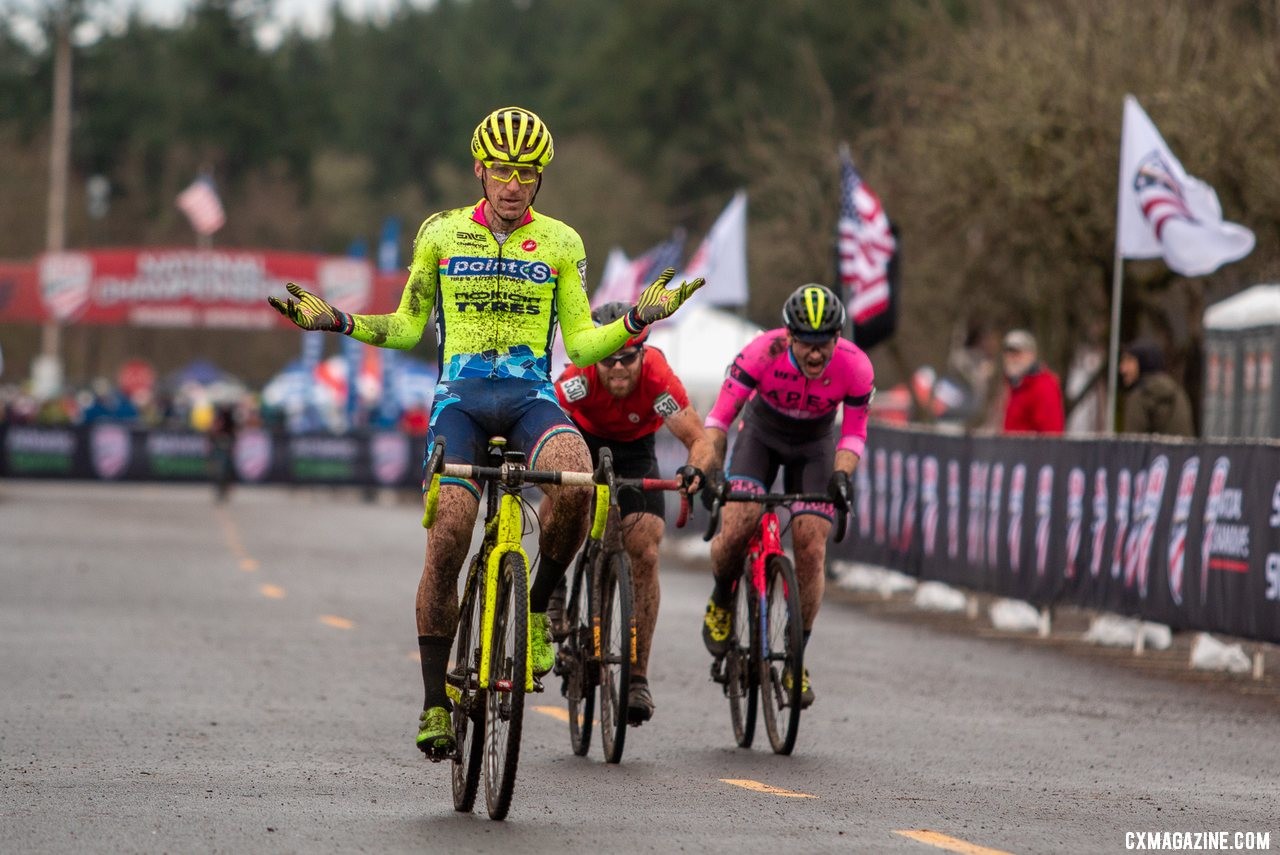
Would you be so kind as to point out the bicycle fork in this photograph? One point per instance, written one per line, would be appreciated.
(507, 539)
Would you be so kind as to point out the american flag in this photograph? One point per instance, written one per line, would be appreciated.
(202, 206)
(865, 244)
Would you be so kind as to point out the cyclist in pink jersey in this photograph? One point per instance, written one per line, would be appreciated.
(791, 381)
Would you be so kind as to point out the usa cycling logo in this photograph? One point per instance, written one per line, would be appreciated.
(537, 272)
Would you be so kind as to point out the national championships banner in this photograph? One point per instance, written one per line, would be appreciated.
(185, 288)
(1185, 534)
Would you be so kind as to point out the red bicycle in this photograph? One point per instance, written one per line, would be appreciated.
(765, 658)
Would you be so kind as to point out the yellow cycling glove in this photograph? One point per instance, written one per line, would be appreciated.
(657, 301)
(311, 312)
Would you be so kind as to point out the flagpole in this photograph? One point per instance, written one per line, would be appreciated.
(1113, 353)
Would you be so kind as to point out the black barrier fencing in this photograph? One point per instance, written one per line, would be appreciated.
(1181, 533)
(106, 451)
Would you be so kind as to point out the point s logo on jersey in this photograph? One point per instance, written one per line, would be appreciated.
(462, 267)
(1178, 527)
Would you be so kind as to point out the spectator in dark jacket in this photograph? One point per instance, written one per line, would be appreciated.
(1154, 402)
(1034, 395)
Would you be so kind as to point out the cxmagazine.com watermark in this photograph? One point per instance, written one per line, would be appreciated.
(1198, 841)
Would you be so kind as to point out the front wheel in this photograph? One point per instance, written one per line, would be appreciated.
(577, 660)
(740, 669)
(504, 712)
(468, 701)
(617, 636)
(782, 657)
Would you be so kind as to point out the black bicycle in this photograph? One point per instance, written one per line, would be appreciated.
(765, 658)
(600, 648)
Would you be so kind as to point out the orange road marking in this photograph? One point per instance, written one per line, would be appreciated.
(336, 622)
(951, 844)
(555, 712)
(272, 592)
(758, 787)
(247, 562)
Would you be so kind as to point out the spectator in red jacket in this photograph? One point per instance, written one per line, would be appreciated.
(1034, 393)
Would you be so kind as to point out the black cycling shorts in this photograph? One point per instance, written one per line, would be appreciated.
(806, 463)
(633, 459)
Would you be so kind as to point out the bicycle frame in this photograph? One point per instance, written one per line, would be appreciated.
(766, 542)
(503, 528)
(606, 525)
(501, 535)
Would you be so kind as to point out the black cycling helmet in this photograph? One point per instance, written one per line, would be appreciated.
(610, 312)
(813, 313)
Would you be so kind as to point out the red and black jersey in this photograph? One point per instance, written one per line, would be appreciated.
(659, 394)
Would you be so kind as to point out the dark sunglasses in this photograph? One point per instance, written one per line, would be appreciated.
(623, 358)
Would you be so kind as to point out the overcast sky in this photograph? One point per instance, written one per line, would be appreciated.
(311, 16)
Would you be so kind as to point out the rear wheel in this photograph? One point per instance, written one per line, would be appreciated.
(739, 665)
(577, 660)
(468, 701)
(504, 711)
(617, 651)
(784, 656)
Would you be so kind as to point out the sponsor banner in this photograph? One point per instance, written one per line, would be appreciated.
(185, 288)
(108, 451)
(1185, 534)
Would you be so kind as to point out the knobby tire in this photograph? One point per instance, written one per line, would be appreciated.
(504, 714)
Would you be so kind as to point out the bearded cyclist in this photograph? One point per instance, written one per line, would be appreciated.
(619, 403)
(795, 377)
(497, 277)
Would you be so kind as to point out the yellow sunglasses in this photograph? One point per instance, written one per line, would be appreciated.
(504, 172)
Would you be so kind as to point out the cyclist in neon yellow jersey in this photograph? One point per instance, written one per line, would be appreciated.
(498, 278)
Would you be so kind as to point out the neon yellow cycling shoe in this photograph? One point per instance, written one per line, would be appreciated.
(540, 651)
(715, 628)
(806, 691)
(435, 733)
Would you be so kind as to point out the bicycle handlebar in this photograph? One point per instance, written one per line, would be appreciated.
(767, 499)
(517, 475)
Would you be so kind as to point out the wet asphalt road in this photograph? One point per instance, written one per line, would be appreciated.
(184, 677)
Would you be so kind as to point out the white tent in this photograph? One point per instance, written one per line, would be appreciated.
(700, 342)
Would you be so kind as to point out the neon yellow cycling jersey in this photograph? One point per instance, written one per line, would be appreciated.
(496, 305)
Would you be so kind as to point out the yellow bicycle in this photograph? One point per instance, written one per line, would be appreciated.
(492, 670)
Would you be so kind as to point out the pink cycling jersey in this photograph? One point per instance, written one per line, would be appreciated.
(766, 368)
